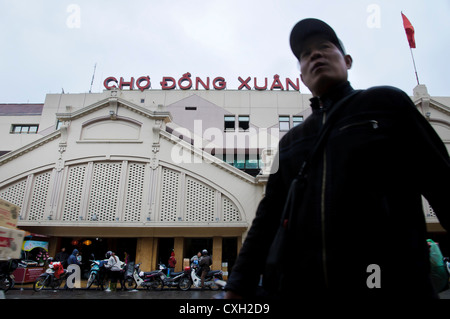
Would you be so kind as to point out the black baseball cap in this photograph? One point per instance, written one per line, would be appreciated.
(310, 27)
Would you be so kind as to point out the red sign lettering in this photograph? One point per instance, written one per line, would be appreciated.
(185, 82)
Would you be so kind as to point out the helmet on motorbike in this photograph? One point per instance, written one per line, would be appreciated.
(204, 252)
(108, 254)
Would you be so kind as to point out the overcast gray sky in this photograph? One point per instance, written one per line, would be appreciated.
(47, 45)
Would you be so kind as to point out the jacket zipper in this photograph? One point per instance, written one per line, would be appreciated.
(322, 208)
(373, 123)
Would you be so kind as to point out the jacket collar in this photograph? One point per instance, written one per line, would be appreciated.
(331, 97)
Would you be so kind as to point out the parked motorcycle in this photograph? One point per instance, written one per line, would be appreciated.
(174, 279)
(51, 278)
(150, 280)
(6, 276)
(211, 279)
(97, 273)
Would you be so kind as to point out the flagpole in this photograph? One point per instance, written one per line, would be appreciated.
(409, 29)
(414, 63)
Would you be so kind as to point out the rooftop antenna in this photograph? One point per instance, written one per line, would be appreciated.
(92, 82)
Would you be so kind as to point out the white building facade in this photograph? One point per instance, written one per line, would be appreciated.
(147, 171)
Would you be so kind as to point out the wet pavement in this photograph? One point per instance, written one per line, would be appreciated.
(82, 293)
(25, 291)
(172, 302)
(28, 293)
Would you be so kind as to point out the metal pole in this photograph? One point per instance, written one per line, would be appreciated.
(414, 62)
(92, 82)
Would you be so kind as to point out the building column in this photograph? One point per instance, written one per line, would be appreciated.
(178, 246)
(239, 244)
(217, 253)
(146, 253)
(53, 246)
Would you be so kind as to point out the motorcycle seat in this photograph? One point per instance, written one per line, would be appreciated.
(213, 272)
(174, 274)
(149, 273)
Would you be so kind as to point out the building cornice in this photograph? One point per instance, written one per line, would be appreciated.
(29, 147)
(440, 107)
(115, 102)
(133, 229)
(208, 157)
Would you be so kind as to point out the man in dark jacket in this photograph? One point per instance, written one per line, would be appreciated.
(204, 263)
(62, 256)
(359, 229)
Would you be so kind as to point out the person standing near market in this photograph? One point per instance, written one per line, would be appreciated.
(73, 258)
(114, 266)
(360, 210)
(205, 262)
(62, 257)
(195, 259)
(172, 262)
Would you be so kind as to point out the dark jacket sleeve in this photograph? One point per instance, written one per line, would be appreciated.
(431, 159)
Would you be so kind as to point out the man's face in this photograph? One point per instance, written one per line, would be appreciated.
(323, 65)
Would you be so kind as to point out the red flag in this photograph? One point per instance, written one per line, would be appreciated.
(409, 29)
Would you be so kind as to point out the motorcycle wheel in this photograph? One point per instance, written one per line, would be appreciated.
(157, 284)
(6, 283)
(184, 283)
(39, 284)
(214, 286)
(91, 280)
(130, 284)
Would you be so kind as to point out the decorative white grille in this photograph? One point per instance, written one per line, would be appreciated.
(134, 192)
(39, 196)
(15, 193)
(230, 211)
(104, 192)
(169, 195)
(102, 189)
(74, 193)
(199, 202)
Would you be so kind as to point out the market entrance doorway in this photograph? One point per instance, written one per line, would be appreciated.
(194, 245)
(165, 248)
(97, 248)
(229, 252)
